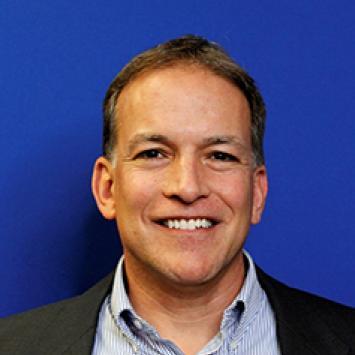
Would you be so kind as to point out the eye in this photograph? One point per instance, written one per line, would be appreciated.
(150, 154)
(223, 156)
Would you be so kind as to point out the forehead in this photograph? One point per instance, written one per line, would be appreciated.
(180, 74)
(183, 96)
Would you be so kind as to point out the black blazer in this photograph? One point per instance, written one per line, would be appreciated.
(306, 324)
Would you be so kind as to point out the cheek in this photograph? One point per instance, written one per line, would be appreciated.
(134, 190)
(235, 190)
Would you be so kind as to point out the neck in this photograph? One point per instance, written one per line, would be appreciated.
(188, 315)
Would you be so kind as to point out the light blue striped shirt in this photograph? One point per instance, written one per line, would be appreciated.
(248, 325)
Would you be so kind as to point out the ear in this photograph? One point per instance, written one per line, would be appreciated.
(260, 189)
(102, 183)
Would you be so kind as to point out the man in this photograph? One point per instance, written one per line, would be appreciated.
(183, 175)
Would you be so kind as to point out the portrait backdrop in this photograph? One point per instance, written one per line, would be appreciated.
(57, 60)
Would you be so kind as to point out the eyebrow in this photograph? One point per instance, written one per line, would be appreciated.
(224, 139)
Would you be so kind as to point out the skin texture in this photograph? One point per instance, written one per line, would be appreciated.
(184, 151)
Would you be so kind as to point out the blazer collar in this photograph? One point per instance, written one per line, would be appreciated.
(80, 327)
(299, 323)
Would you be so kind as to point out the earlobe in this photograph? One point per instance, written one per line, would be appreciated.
(260, 189)
(102, 184)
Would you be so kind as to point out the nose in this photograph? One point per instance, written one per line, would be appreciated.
(185, 181)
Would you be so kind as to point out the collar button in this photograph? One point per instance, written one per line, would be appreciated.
(137, 324)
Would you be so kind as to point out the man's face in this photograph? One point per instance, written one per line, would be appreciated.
(185, 188)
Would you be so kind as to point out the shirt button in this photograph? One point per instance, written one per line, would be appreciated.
(137, 324)
(234, 344)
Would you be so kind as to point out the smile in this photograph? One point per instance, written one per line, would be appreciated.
(188, 224)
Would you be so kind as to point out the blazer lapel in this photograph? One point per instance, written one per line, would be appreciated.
(294, 342)
(80, 328)
(300, 325)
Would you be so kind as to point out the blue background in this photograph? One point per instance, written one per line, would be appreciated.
(57, 60)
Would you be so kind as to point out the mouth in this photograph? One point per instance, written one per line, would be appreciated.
(188, 224)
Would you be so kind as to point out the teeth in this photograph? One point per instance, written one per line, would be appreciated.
(188, 224)
(191, 224)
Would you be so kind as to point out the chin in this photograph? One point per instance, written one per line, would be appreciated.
(194, 274)
(204, 270)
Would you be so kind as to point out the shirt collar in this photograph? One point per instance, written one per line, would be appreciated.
(119, 298)
(245, 305)
(249, 299)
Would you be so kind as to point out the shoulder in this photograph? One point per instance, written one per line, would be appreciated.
(286, 295)
(54, 326)
(308, 313)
